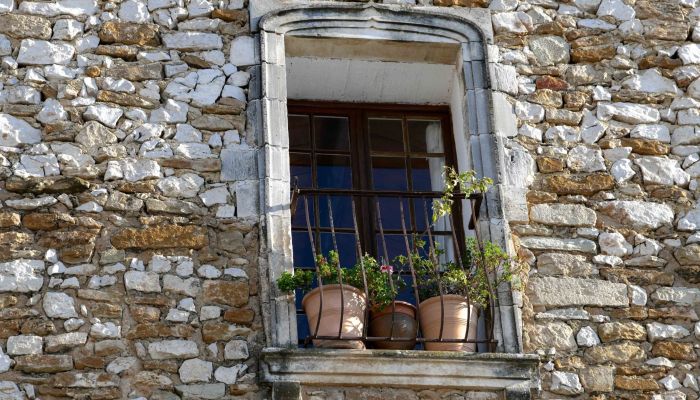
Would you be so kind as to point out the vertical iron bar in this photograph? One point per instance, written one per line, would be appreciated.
(492, 298)
(433, 257)
(386, 260)
(410, 264)
(362, 266)
(318, 272)
(340, 272)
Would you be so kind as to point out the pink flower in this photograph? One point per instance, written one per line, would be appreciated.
(387, 269)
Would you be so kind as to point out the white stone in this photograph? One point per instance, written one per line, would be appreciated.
(562, 214)
(104, 114)
(585, 159)
(187, 185)
(242, 51)
(550, 50)
(511, 22)
(66, 29)
(73, 324)
(658, 331)
(234, 92)
(531, 132)
(193, 150)
(7, 6)
(680, 295)
(227, 375)
(670, 382)
(691, 382)
(148, 282)
(622, 170)
(662, 171)
(617, 9)
(41, 52)
(172, 112)
(121, 364)
(565, 314)
(5, 363)
(638, 214)
(21, 276)
(31, 204)
(651, 81)
(39, 165)
(187, 304)
(192, 41)
(217, 195)
(209, 312)
(690, 53)
(90, 206)
(61, 7)
(612, 261)
(563, 133)
(587, 337)
(549, 243)
(639, 295)
(565, 382)
(529, 112)
(134, 11)
(173, 349)
(195, 370)
(236, 350)
(188, 287)
(661, 361)
(107, 330)
(202, 390)
(51, 112)
(137, 169)
(175, 315)
(568, 292)
(118, 85)
(187, 133)
(59, 305)
(628, 112)
(199, 8)
(16, 131)
(614, 244)
(24, 344)
(652, 132)
(685, 135)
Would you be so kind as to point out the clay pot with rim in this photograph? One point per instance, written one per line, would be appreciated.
(457, 313)
(403, 315)
(353, 315)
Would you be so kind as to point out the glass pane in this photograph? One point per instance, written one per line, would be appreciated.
(299, 218)
(390, 213)
(341, 207)
(299, 132)
(300, 170)
(333, 172)
(386, 135)
(423, 210)
(426, 174)
(389, 173)
(425, 136)
(303, 257)
(346, 247)
(332, 133)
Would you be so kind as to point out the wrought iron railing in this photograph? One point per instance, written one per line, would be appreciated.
(301, 198)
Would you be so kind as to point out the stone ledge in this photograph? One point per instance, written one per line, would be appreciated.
(393, 368)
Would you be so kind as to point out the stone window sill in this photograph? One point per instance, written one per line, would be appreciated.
(514, 374)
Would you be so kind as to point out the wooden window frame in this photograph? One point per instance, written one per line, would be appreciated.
(360, 154)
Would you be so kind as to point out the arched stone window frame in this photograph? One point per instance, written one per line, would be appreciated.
(488, 119)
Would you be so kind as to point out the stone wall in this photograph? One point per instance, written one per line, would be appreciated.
(129, 232)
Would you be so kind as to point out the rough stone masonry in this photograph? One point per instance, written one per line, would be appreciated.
(128, 198)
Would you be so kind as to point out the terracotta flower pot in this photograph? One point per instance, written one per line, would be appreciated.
(455, 322)
(353, 318)
(405, 326)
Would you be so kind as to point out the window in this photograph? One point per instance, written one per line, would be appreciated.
(340, 150)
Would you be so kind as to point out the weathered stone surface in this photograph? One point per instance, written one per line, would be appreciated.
(562, 292)
(597, 378)
(638, 214)
(25, 26)
(578, 184)
(172, 349)
(129, 33)
(635, 383)
(618, 353)
(232, 293)
(688, 255)
(23, 345)
(65, 341)
(44, 363)
(59, 305)
(549, 243)
(142, 281)
(562, 214)
(125, 99)
(613, 331)
(140, 72)
(552, 334)
(21, 276)
(674, 351)
(161, 237)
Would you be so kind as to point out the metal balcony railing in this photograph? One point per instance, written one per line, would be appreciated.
(370, 202)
